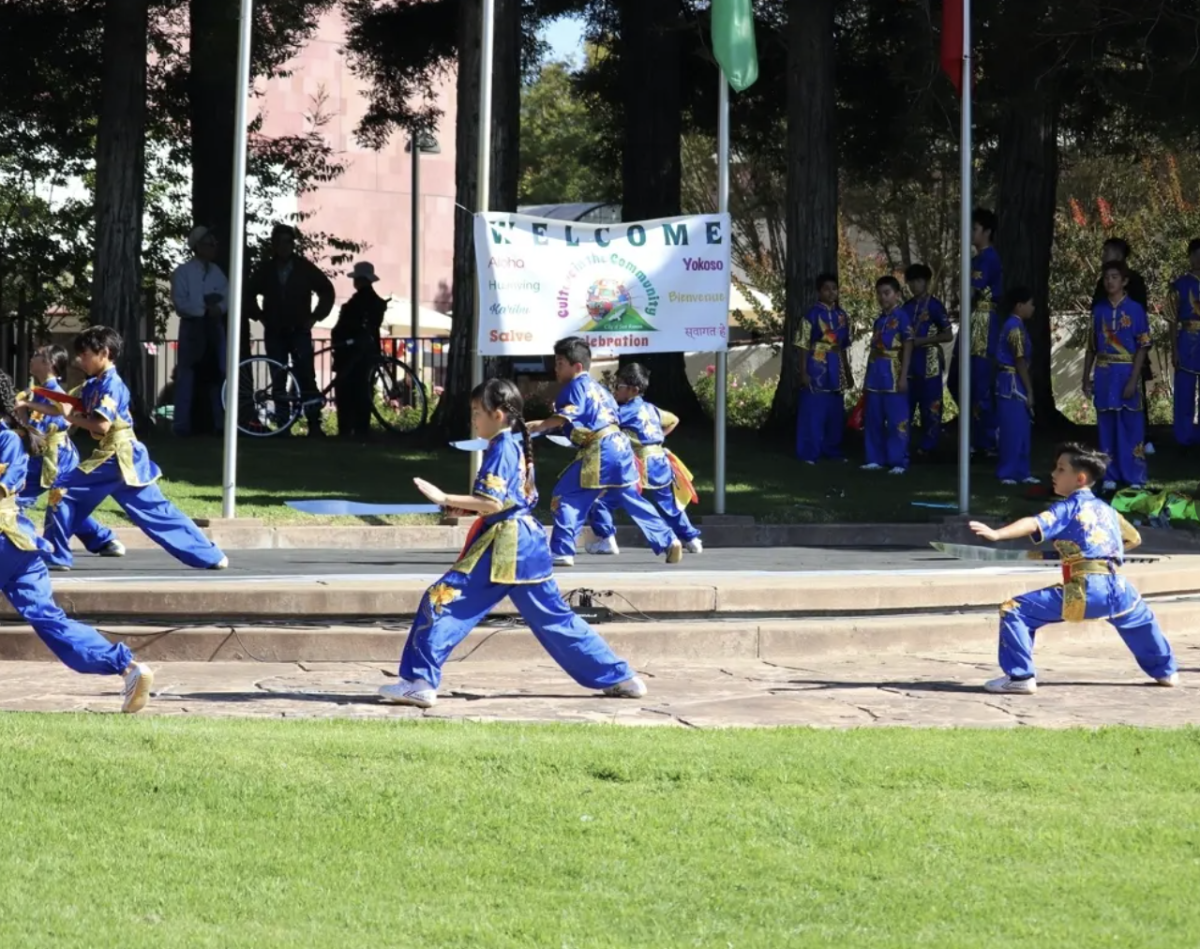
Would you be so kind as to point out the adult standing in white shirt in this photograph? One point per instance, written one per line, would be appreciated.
(200, 294)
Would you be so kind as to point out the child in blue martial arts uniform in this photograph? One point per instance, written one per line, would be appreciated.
(26, 582)
(665, 482)
(50, 469)
(931, 328)
(1014, 392)
(1091, 539)
(1117, 347)
(886, 382)
(506, 555)
(823, 346)
(604, 463)
(120, 467)
(1183, 311)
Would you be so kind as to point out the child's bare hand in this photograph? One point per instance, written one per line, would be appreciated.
(984, 531)
(431, 491)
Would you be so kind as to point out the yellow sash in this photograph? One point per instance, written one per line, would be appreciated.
(118, 442)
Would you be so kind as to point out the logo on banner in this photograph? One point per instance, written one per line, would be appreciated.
(608, 305)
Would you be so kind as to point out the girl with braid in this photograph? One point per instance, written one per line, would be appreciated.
(506, 555)
(25, 580)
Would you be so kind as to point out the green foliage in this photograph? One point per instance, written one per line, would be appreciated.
(747, 399)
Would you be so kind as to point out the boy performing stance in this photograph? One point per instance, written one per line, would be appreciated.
(931, 328)
(1117, 347)
(664, 479)
(26, 583)
(51, 469)
(887, 382)
(604, 464)
(506, 555)
(120, 467)
(823, 347)
(1091, 539)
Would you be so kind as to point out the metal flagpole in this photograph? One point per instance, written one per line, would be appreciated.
(722, 363)
(237, 247)
(964, 322)
(414, 288)
(483, 165)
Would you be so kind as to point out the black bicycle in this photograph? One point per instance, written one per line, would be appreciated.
(270, 402)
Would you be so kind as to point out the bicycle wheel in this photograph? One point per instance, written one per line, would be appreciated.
(268, 397)
(398, 400)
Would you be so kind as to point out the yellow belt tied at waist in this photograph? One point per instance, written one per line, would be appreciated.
(117, 443)
(54, 441)
(589, 455)
(503, 538)
(9, 526)
(1113, 359)
(1074, 574)
(1190, 325)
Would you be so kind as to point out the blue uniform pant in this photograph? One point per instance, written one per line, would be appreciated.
(456, 604)
(1186, 432)
(600, 518)
(26, 586)
(819, 425)
(157, 517)
(94, 535)
(925, 402)
(1016, 439)
(983, 405)
(572, 502)
(1106, 597)
(886, 429)
(1122, 434)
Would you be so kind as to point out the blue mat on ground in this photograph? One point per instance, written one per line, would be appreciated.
(936, 505)
(336, 508)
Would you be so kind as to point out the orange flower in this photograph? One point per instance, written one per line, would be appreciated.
(1105, 209)
(1077, 214)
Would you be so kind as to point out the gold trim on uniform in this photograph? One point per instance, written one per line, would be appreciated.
(118, 442)
(9, 525)
(502, 537)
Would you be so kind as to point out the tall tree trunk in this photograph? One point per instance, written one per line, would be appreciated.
(212, 85)
(812, 186)
(651, 171)
(120, 179)
(453, 415)
(1027, 182)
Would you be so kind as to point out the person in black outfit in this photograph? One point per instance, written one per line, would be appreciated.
(355, 345)
(1116, 248)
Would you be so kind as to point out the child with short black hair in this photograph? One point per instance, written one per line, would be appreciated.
(1091, 540)
(823, 344)
(886, 428)
(120, 467)
(664, 479)
(1014, 391)
(931, 328)
(1183, 315)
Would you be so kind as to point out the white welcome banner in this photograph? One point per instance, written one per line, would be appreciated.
(646, 287)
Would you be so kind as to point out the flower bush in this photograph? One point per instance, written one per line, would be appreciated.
(747, 398)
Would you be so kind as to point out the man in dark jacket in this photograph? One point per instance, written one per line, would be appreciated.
(1116, 248)
(355, 346)
(287, 284)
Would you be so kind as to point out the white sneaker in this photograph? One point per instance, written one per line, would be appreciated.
(633, 688)
(898, 471)
(564, 560)
(114, 548)
(871, 467)
(1169, 682)
(136, 693)
(813, 463)
(1009, 482)
(675, 552)
(604, 546)
(1031, 480)
(694, 546)
(403, 692)
(1006, 686)
(1109, 486)
(221, 564)
(1149, 448)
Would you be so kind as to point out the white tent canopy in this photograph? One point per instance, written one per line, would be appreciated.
(398, 319)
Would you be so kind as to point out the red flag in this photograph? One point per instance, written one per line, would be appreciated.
(952, 42)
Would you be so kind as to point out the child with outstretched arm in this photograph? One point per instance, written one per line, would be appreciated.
(1091, 539)
(506, 555)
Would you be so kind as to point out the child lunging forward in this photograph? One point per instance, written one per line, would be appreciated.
(26, 582)
(1091, 539)
(665, 481)
(120, 467)
(506, 555)
(51, 469)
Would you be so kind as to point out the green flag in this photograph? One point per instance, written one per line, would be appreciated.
(733, 42)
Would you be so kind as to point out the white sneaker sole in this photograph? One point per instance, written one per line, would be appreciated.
(137, 699)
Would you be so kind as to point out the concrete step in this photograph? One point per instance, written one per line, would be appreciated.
(709, 640)
(663, 592)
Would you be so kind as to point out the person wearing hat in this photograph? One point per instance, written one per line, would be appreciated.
(287, 283)
(355, 344)
(200, 295)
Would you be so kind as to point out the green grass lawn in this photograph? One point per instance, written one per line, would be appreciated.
(166, 833)
(762, 480)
